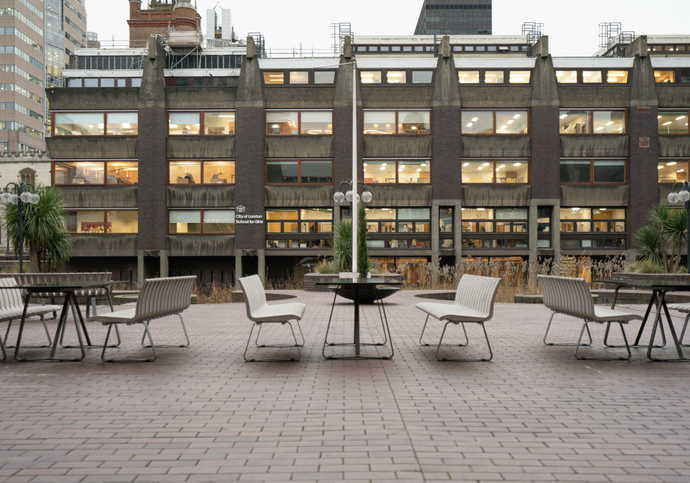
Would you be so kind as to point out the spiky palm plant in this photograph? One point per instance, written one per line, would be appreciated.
(43, 230)
(342, 246)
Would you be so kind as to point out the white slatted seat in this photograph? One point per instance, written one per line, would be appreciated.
(684, 309)
(12, 308)
(571, 296)
(474, 302)
(158, 297)
(259, 312)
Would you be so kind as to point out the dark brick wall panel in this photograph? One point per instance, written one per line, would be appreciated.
(153, 218)
(342, 145)
(446, 166)
(642, 167)
(249, 158)
(546, 151)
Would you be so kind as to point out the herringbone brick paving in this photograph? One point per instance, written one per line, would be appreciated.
(534, 413)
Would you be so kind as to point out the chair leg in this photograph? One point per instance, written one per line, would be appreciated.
(328, 328)
(440, 342)
(548, 327)
(584, 326)
(2, 349)
(682, 334)
(294, 335)
(184, 328)
(45, 327)
(147, 332)
(422, 336)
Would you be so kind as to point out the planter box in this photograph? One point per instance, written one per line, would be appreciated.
(310, 280)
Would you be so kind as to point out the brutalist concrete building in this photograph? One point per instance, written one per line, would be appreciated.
(226, 162)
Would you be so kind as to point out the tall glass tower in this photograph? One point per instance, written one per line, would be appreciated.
(454, 17)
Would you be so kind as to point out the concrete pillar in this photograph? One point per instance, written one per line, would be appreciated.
(164, 271)
(141, 268)
(238, 266)
(435, 249)
(262, 264)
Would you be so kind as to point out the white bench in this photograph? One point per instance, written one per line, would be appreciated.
(474, 302)
(12, 308)
(571, 296)
(158, 297)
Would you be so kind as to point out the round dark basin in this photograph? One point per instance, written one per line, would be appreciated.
(366, 295)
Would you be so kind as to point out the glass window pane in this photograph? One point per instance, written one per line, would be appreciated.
(511, 213)
(414, 122)
(278, 215)
(299, 77)
(493, 77)
(422, 76)
(414, 214)
(219, 172)
(575, 171)
(90, 222)
(379, 172)
(511, 122)
(317, 172)
(274, 78)
(90, 82)
(370, 77)
(107, 82)
(188, 221)
(617, 76)
(122, 173)
(673, 122)
(379, 214)
(608, 122)
(282, 172)
(79, 124)
(609, 171)
(396, 77)
(566, 76)
(512, 171)
(219, 221)
(685, 76)
(136, 82)
(477, 172)
(574, 122)
(446, 220)
(317, 123)
(184, 123)
(219, 123)
(414, 172)
(78, 173)
(468, 77)
(74, 83)
(519, 76)
(122, 124)
(185, 172)
(591, 77)
(379, 122)
(477, 122)
(316, 214)
(123, 221)
(664, 76)
(672, 171)
(324, 77)
(281, 122)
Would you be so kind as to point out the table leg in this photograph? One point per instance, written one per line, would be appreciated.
(661, 302)
(672, 329)
(615, 297)
(385, 318)
(652, 301)
(357, 348)
(21, 328)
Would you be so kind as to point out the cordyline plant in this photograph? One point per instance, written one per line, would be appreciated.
(662, 242)
(342, 244)
(50, 246)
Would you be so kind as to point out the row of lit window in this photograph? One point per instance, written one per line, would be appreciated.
(494, 76)
(411, 49)
(104, 82)
(586, 76)
(320, 122)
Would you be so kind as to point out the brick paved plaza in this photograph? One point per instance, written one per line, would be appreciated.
(534, 413)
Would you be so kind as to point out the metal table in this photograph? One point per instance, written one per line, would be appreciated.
(358, 284)
(69, 289)
(659, 290)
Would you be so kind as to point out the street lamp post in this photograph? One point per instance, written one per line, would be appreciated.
(23, 193)
(352, 196)
(683, 196)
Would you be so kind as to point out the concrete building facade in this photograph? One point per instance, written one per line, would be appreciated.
(474, 147)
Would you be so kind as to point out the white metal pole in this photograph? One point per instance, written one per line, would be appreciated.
(354, 168)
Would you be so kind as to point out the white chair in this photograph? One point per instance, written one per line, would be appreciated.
(474, 302)
(259, 312)
(571, 296)
(684, 309)
(158, 297)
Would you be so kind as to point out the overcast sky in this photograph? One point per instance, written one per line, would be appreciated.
(572, 27)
